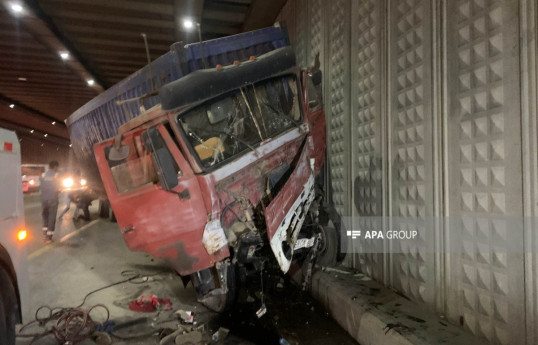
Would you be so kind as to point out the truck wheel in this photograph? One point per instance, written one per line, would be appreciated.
(105, 211)
(328, 250)
(8, 309)
(104, 205)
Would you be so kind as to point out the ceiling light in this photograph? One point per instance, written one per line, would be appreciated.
(64, 55)
(53, 123)
(31, 131)
(187, 23)
(16, 8)
(90, 82)
(70, 145)
(12, 106)
(22, 78)
(45, 135)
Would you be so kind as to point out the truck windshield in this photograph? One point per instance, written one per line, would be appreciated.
(229, 125)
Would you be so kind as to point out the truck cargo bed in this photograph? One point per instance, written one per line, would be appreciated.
(100, 118)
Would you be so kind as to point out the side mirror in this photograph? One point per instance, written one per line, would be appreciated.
(164, 163)
(317, 77)
(118, 153)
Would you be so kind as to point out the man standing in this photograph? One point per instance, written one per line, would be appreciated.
(49, 200)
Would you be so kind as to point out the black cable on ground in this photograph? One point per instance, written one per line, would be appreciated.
(75, 324)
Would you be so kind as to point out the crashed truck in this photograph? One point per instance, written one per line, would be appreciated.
(211, 159)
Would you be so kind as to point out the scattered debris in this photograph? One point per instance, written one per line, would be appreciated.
(220, 334)
(261, 312)
(186, 316)
(102, 338)
(172, 336)
(150, 303)
(194, 337)
(332, 269)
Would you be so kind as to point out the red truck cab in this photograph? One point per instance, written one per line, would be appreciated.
(223, 172)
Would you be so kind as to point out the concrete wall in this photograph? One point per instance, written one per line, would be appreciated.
(431, 112)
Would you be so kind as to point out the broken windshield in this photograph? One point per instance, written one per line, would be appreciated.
(229, 125)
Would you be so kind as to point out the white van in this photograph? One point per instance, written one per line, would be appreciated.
(13, 269)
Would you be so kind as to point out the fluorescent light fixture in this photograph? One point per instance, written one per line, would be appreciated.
(188, 24)
(45, 135)
(53, 123)
(90, 82)
(64, 55)
(12, 106)
(22, 78)
(16, 8)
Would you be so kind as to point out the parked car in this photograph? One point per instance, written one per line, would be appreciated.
(31, 176)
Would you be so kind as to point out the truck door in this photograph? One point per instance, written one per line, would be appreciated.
(315, 115)
(156, 198)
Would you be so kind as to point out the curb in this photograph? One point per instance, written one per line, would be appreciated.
(374, 315)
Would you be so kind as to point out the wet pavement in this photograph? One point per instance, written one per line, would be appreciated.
(87, 256)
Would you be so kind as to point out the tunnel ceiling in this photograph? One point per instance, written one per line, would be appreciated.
(39, 89)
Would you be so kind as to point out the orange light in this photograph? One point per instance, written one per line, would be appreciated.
(22, 235)
(32, 182)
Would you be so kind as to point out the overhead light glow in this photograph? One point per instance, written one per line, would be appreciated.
(12, 106)
(53, 123)
(70, 145)
(31, 131)
(22, 78)
(91, 82)
(45, 135)
(188, 24)
(64, 55)
(16, 8)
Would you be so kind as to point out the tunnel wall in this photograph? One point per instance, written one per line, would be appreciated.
(431, 113)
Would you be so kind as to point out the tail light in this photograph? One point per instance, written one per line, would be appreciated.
(22, 234)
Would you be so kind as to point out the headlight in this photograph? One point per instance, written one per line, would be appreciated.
(82, 182)
(68, 182)
(32, 182)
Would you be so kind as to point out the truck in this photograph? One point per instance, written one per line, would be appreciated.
(220, 171)
(13, 235)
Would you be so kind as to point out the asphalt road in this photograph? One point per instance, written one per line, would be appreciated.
(89, 255)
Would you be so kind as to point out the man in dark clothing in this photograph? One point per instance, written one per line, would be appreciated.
(49, 200)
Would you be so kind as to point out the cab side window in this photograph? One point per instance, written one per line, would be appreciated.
(314, 94)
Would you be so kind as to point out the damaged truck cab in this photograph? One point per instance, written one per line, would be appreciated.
(222, 173)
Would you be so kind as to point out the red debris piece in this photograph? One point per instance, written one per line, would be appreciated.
(150, 303)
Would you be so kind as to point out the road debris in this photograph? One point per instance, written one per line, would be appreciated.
(150, 303)
(185, 316)
(220, 334)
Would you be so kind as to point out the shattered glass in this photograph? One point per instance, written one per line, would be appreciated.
(229, 125)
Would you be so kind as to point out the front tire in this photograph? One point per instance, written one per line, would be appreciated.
(328, 251)
(9, 309)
